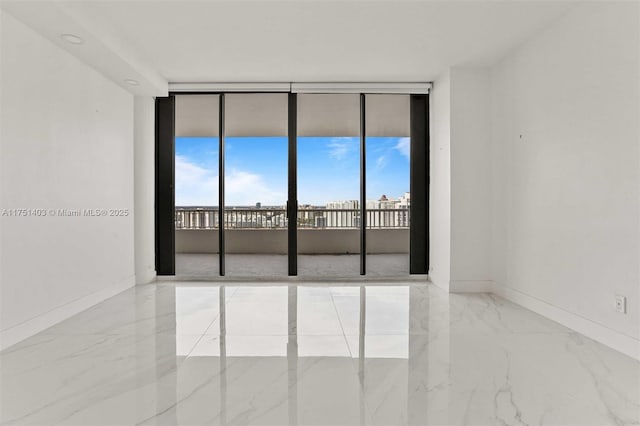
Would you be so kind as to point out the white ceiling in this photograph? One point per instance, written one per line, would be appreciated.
(273, 41)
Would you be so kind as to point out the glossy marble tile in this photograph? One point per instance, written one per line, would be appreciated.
(149, 309)
(492, 314)
(268, 380)
(524, 378)
(52, 379)
(267, 354)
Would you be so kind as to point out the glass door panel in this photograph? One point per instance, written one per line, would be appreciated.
(388, 197)
(328, 185)
(256, 184)
(196, 185)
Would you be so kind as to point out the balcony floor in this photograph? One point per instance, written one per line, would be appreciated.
(275, 265)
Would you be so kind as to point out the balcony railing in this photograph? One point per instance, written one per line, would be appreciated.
(276, 218)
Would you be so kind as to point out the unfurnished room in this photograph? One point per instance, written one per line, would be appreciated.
(320, 212)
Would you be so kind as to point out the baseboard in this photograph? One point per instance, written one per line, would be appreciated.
(611, 338)
(15, 334)
(471, 286)
(442, 284)
(145, 277)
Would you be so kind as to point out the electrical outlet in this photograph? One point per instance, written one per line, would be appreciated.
(621, 304)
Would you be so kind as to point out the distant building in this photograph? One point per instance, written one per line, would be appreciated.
(341, 214)
(404, 203)
(388, 212)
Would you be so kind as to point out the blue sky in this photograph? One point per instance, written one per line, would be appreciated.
(256, 169)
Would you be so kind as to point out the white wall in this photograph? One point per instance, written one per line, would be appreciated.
(470, 178)
(144, 188)
(460, 192)
(66, 143)
(440, 185)
(566, 178)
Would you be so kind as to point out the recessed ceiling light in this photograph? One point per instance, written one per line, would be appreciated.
(71, 38)
(131, 82)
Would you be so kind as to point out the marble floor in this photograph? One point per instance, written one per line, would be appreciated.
(273, 354)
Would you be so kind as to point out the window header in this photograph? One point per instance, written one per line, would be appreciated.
(368, 88)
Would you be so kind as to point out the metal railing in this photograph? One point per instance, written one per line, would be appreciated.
(275, 218)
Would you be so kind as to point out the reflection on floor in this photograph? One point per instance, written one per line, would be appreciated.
(274, 265)
(177, 353)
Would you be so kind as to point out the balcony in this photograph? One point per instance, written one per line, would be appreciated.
(328, 241)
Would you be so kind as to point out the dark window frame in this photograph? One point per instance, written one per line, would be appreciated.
(165, 183)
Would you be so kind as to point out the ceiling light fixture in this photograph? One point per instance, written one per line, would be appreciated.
(72, 39)
(131, 82)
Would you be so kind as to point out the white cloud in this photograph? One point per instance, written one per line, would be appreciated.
(340, 147)
(382, 161)
(195, 185)
(403, 146)
(245, 189)
(198, 186)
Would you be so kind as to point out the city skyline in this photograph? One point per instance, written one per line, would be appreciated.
(256, 170)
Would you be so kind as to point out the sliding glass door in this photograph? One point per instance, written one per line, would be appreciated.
(328, 185)
(273, 184)
(255, 184)
(388, 196)
(196, 185)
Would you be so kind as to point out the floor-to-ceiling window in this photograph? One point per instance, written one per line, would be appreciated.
(196, 184)
(255, 184)
(388, 196)
(328, 184)
(275, 184)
